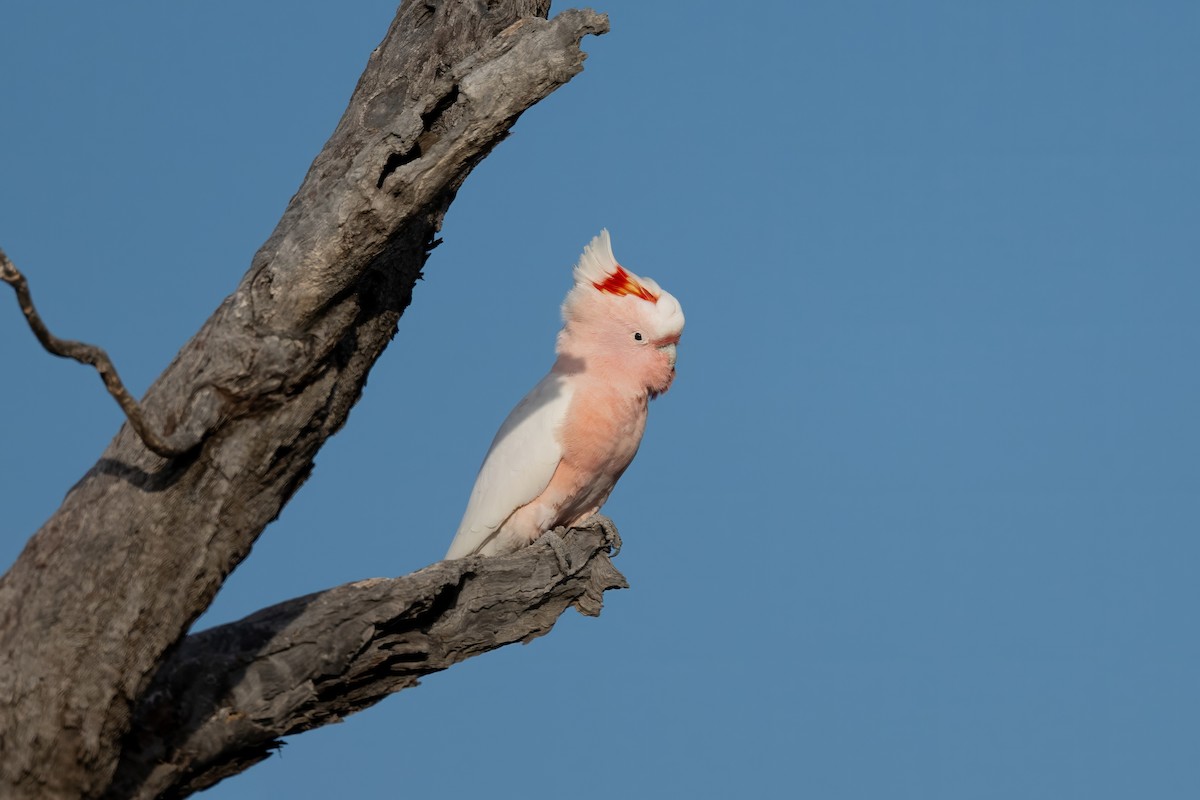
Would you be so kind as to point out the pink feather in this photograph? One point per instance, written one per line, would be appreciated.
(560, 452)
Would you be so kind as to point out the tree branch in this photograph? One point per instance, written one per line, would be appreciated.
(140, 545)
(85, 354)
(222, 701)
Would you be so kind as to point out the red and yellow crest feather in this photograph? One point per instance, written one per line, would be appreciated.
(620, 282)
(598, 268)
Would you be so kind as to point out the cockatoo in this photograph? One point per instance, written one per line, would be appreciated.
(559, 453)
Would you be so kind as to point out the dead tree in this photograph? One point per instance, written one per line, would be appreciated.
(102, 692)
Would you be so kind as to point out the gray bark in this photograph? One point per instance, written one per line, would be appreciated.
(221, 702)
(106, 590)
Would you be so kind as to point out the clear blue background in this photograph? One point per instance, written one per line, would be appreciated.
(918, 518)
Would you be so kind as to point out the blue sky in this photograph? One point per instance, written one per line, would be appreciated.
(918, 518)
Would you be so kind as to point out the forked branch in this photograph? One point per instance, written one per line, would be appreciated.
(95, 610)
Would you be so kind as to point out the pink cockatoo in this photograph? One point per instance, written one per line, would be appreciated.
(560, 452)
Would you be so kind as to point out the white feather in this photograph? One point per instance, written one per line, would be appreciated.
(518, 466)
(597, 261)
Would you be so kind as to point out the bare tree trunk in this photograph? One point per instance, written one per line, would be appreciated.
(99, 600)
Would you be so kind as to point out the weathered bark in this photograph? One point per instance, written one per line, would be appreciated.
(141, 543)
(220, 703)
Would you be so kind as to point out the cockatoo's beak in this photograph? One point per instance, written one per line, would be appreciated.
(669, 349)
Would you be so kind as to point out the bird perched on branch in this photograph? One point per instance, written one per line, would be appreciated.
(559, 453)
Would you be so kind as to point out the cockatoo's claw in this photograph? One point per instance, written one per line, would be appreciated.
(611, 537)
(560, 552)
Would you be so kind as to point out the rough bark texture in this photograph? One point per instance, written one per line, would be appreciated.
(221, 701)
(111, 583)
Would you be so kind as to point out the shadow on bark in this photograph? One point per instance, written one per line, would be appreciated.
(224, 699)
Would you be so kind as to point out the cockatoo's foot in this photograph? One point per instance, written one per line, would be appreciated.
(554, 538)
(611, 537)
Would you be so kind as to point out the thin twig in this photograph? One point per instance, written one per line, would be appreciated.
(85, 354)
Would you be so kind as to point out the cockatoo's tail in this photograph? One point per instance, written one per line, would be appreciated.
(561, 450)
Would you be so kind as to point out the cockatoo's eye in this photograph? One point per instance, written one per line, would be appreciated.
(637, 337)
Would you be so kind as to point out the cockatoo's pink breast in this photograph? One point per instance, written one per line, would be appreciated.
(594, 436)
(600, 437)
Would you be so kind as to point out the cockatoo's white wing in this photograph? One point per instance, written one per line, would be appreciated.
(518, 466)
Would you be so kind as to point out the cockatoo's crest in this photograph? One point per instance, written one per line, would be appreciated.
(604, 290)
(598, 268)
